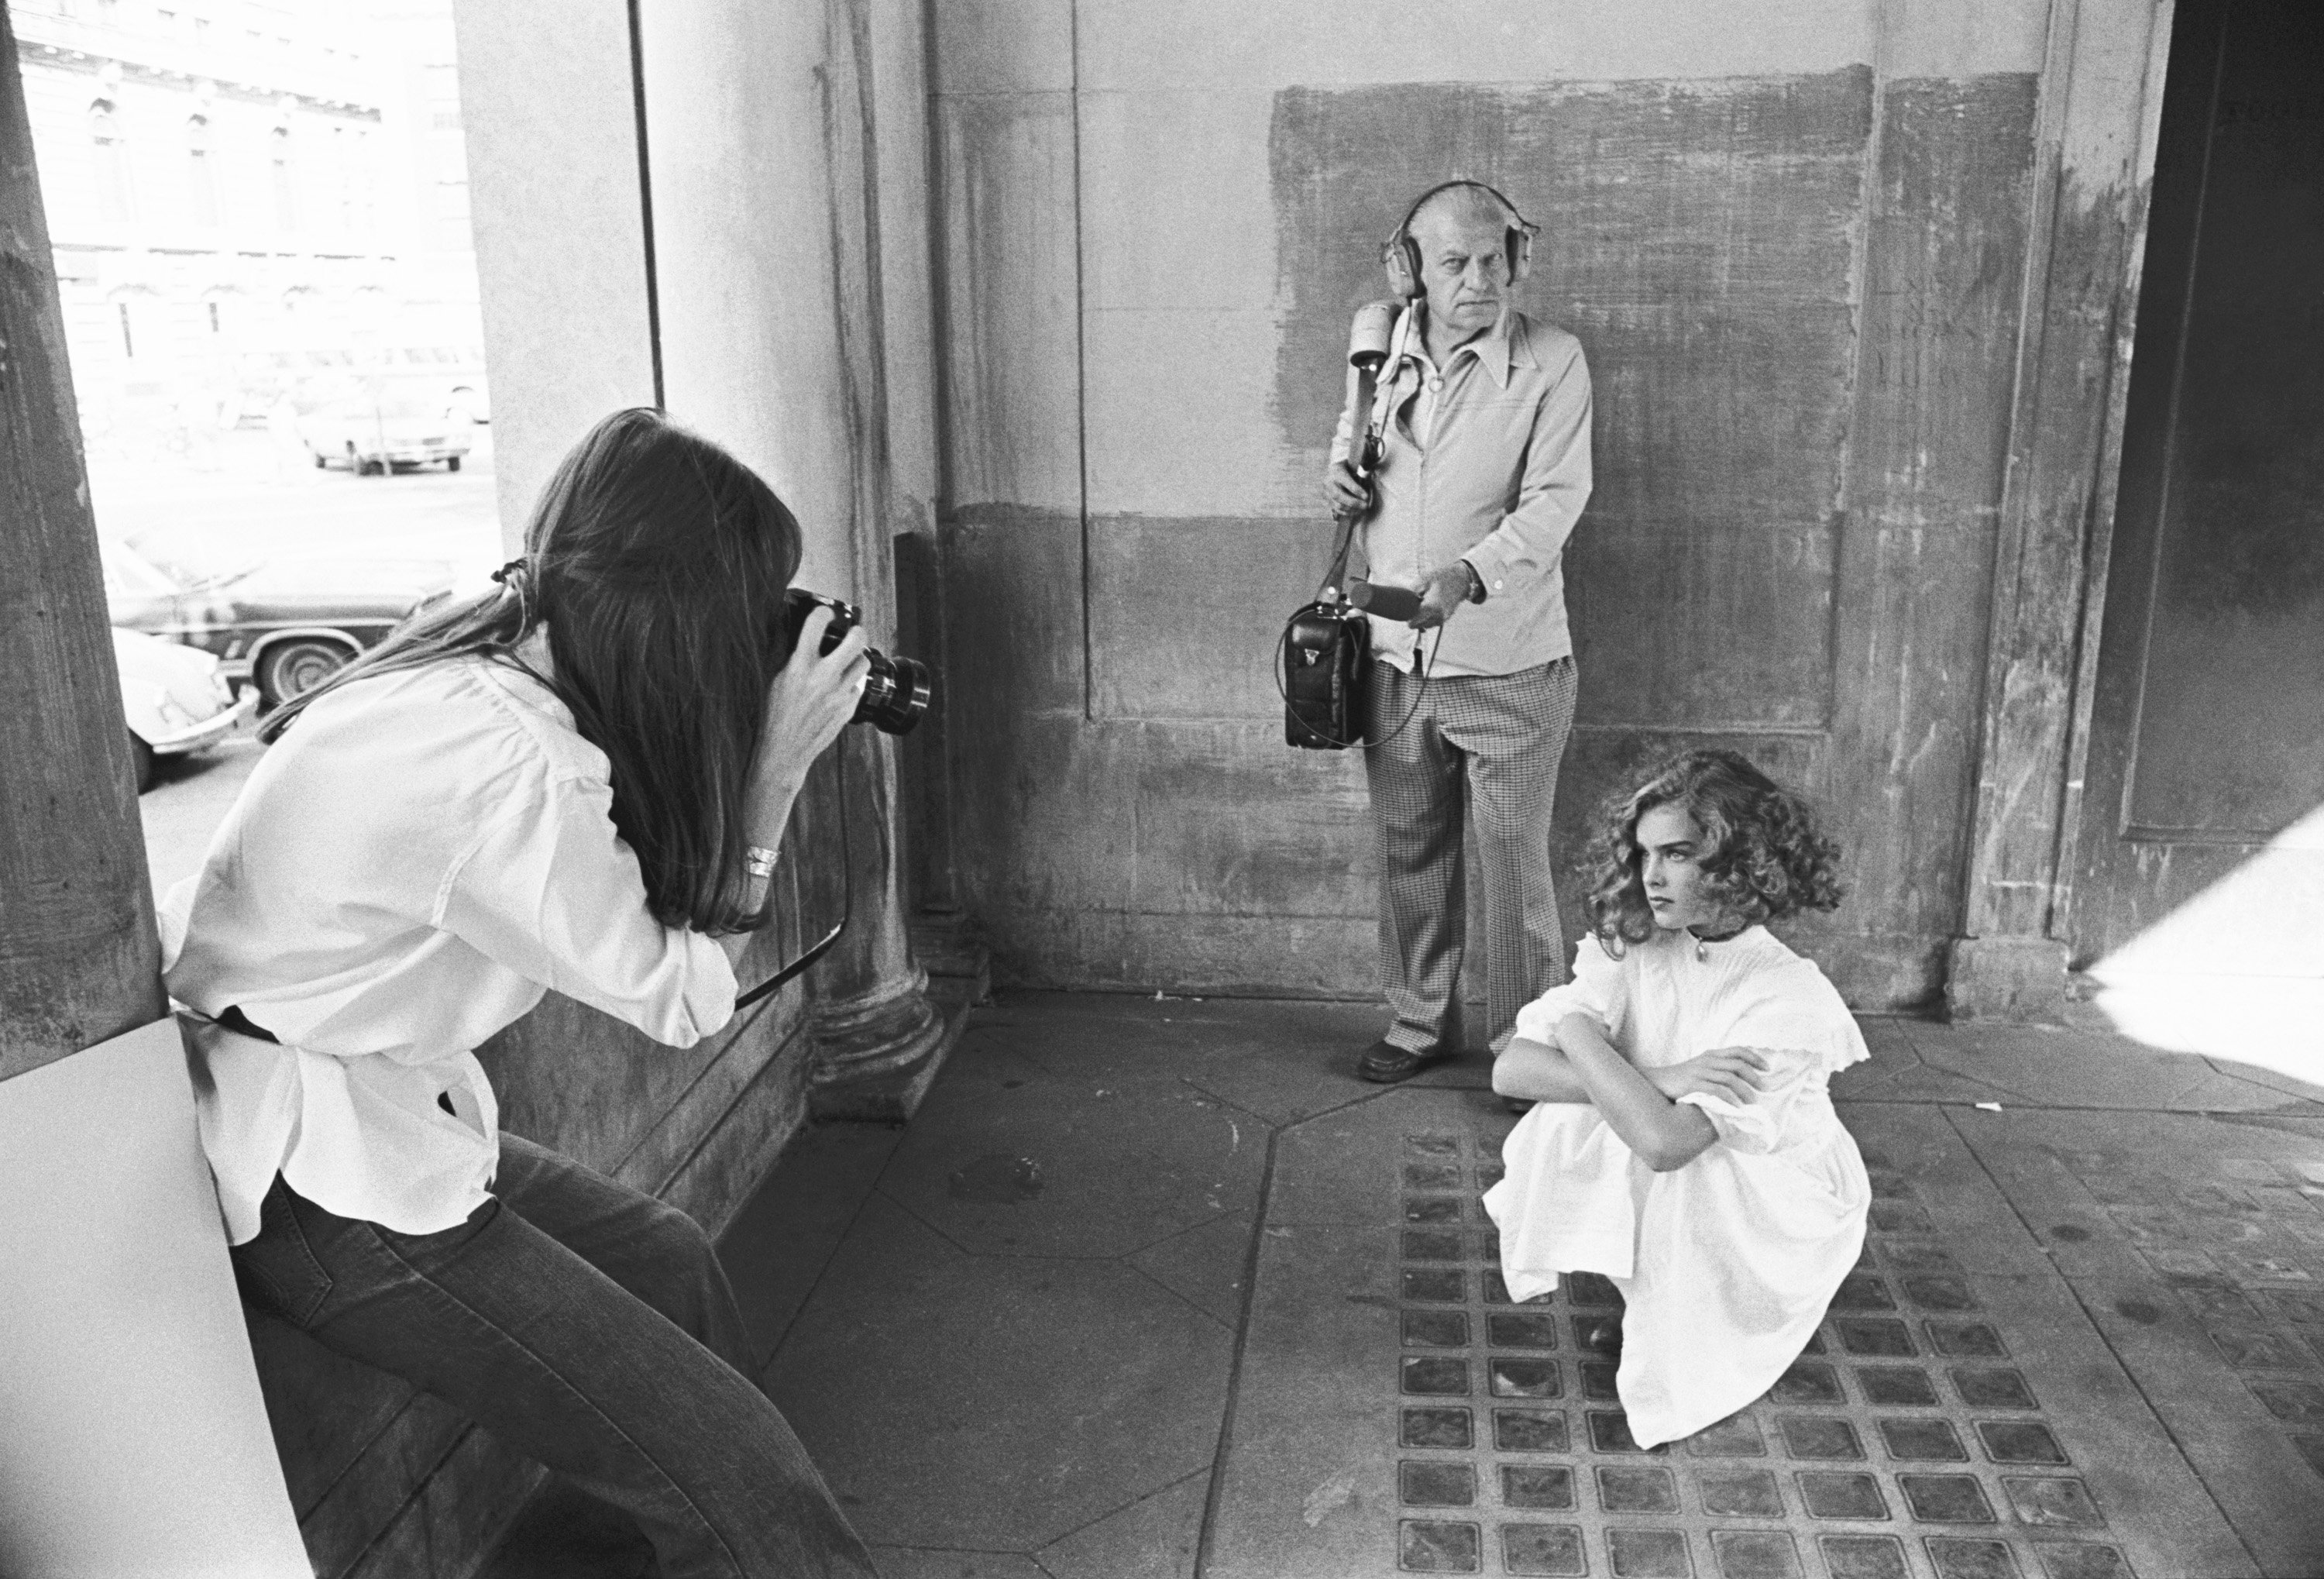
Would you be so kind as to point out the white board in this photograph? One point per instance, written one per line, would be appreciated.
(134, 1441)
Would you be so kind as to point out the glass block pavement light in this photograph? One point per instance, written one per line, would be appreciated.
(1958, 1416)
(1904, 1436)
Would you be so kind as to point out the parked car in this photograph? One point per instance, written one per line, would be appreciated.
(399, 425)
(281, 624)
(177, 699)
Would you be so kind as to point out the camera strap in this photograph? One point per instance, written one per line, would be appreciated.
(822, 945)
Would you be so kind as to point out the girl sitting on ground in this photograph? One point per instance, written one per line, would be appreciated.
(1682, 1140)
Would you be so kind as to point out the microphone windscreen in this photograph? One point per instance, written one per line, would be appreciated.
(1389, 602)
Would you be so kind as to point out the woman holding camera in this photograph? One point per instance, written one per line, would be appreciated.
(578, 783)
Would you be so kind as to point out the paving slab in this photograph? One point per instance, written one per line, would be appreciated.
(1960, 1413)
(1084, 1164)
(2192, 1242)
(994, 1403)
(1205, 1266)
(778, 1245)
(921, 1563)
(1156, 1539)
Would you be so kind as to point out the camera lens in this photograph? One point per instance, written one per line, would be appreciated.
(896, 690)
(895, 693)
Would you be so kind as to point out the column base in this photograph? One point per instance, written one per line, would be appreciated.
(877, 1054)
(2017, 979)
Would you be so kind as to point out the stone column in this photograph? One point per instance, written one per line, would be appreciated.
(763, 135)
(2101, 96)
(79, 959)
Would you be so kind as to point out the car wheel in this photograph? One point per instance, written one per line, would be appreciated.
(297, 665)
(142, 755)
(451, 463)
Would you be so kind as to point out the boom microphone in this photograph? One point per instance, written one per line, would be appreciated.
(1389, 602)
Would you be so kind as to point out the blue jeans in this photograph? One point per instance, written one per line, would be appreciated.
(587, 1325)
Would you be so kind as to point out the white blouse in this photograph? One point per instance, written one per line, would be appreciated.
(416, 860)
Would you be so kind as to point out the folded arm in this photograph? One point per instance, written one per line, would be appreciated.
(1585, 1065)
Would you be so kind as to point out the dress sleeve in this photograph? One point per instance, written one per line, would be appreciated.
(1759, 1124)
(550, 891)
(1596, 990)
(1807, 1034)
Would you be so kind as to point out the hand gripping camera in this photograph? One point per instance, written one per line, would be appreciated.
(898, 690)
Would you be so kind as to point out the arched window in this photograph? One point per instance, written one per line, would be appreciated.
(201, 186)
(286, 190)
(115, 201)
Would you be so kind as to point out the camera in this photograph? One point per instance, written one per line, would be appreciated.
(896, 692)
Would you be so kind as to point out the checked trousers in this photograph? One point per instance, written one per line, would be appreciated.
(1483, 748)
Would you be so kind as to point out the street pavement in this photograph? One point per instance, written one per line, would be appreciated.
(1153, 1288)
(251, 500)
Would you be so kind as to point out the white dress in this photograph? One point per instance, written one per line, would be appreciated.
(1726, 1262)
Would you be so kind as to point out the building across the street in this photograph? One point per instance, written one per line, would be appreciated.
(253, 202)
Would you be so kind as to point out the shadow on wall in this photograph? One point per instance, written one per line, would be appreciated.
(2237, 972)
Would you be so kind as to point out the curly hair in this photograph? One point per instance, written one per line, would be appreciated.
(1766, 858)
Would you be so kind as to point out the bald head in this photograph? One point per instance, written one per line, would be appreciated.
(1465, 205)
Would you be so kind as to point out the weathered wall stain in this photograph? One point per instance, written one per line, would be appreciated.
(1800, 297)
(1698, 240)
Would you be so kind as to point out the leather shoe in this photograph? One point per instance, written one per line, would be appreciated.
(1384, 1062)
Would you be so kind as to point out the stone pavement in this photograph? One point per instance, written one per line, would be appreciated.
(1154, 1289)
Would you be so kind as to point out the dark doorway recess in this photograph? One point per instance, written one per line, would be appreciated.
(2207, 736)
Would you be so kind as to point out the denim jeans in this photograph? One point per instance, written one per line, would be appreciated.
(587, 1325)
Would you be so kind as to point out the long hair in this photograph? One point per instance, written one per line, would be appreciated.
(1763, 855)
(658, 562)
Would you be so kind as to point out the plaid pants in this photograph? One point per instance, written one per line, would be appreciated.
(1488, 744)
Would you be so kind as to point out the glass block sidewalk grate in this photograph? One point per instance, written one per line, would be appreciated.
(1904, 1443)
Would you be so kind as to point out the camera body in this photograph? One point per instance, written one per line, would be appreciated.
(897, 690)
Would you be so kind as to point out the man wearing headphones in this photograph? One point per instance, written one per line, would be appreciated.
(1483, 468)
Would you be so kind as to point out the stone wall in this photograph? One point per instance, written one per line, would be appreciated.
(1800, 257)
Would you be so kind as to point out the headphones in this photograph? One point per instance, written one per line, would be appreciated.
(1400, 255)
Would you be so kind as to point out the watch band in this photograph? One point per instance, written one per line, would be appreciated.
(759, 861)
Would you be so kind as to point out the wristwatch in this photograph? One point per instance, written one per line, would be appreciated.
(758, 862)
(1476, 583)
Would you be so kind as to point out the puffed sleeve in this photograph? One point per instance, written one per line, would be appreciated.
(1807, 1034)
(1598, 990)
(549, 889)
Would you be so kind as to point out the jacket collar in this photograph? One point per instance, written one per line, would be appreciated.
(1494, 350)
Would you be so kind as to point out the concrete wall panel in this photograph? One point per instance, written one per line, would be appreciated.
(1945, 245)
(1185, 613)
(1176, 413)
(1011, 298)
(1217, 43)
(553, 152)
(1176, 203)
(1002, 46)
(1013, 584)
(751, 355)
